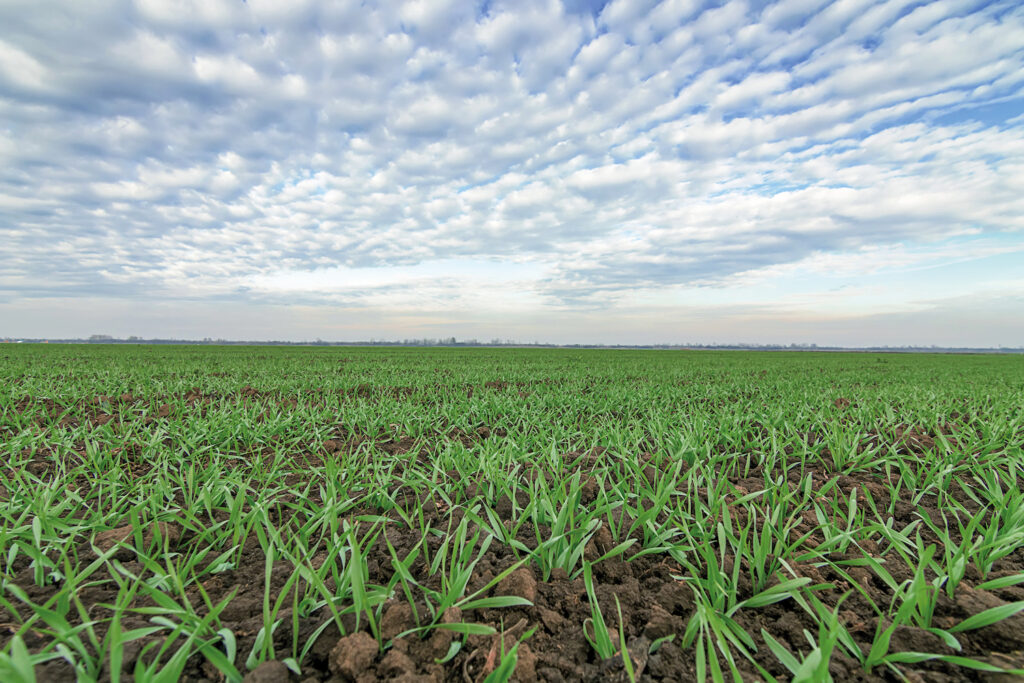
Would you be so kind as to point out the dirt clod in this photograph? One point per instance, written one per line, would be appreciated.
(353, 655)
(521, 582)
(676, 598)
(396, 663)
(526, 665)
(661, 623)
(268, 672)
(397, 618)
(553, 621)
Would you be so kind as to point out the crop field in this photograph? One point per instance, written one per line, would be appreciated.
(467, 515)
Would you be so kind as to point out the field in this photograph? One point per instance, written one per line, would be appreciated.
(466, 515)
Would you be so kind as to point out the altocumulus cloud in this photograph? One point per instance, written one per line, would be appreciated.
(495, 163)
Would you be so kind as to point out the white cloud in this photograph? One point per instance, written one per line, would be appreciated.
(199, 147)
(182, 13)
(22, 69)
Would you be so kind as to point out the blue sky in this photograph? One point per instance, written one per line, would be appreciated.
(847, 172)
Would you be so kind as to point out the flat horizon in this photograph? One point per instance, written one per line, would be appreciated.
(508, 343)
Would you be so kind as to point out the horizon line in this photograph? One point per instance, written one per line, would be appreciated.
(452, 342)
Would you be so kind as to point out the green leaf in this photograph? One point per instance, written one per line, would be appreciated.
(116, 648)
(656, 645)
(781, 653)
(617, 550)
(948, 638)
(808, 671)
(879, 647)
(21, 662)
(774, 594)
(504, 670)
(702, 664)
(467, 629)
(1001, 582)
(989, 617)
(496, 601)
(966, 662)
(453, 650)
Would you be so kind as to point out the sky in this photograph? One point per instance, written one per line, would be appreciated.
(626, 172)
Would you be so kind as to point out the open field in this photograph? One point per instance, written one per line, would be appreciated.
(187, 513)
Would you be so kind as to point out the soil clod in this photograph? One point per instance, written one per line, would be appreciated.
(353, 655)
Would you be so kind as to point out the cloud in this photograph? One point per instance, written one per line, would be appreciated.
(21, 70)
(191, 149)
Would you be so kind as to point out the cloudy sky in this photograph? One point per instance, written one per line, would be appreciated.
(847, 172)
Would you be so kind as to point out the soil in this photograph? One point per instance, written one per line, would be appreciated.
(655, 604)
